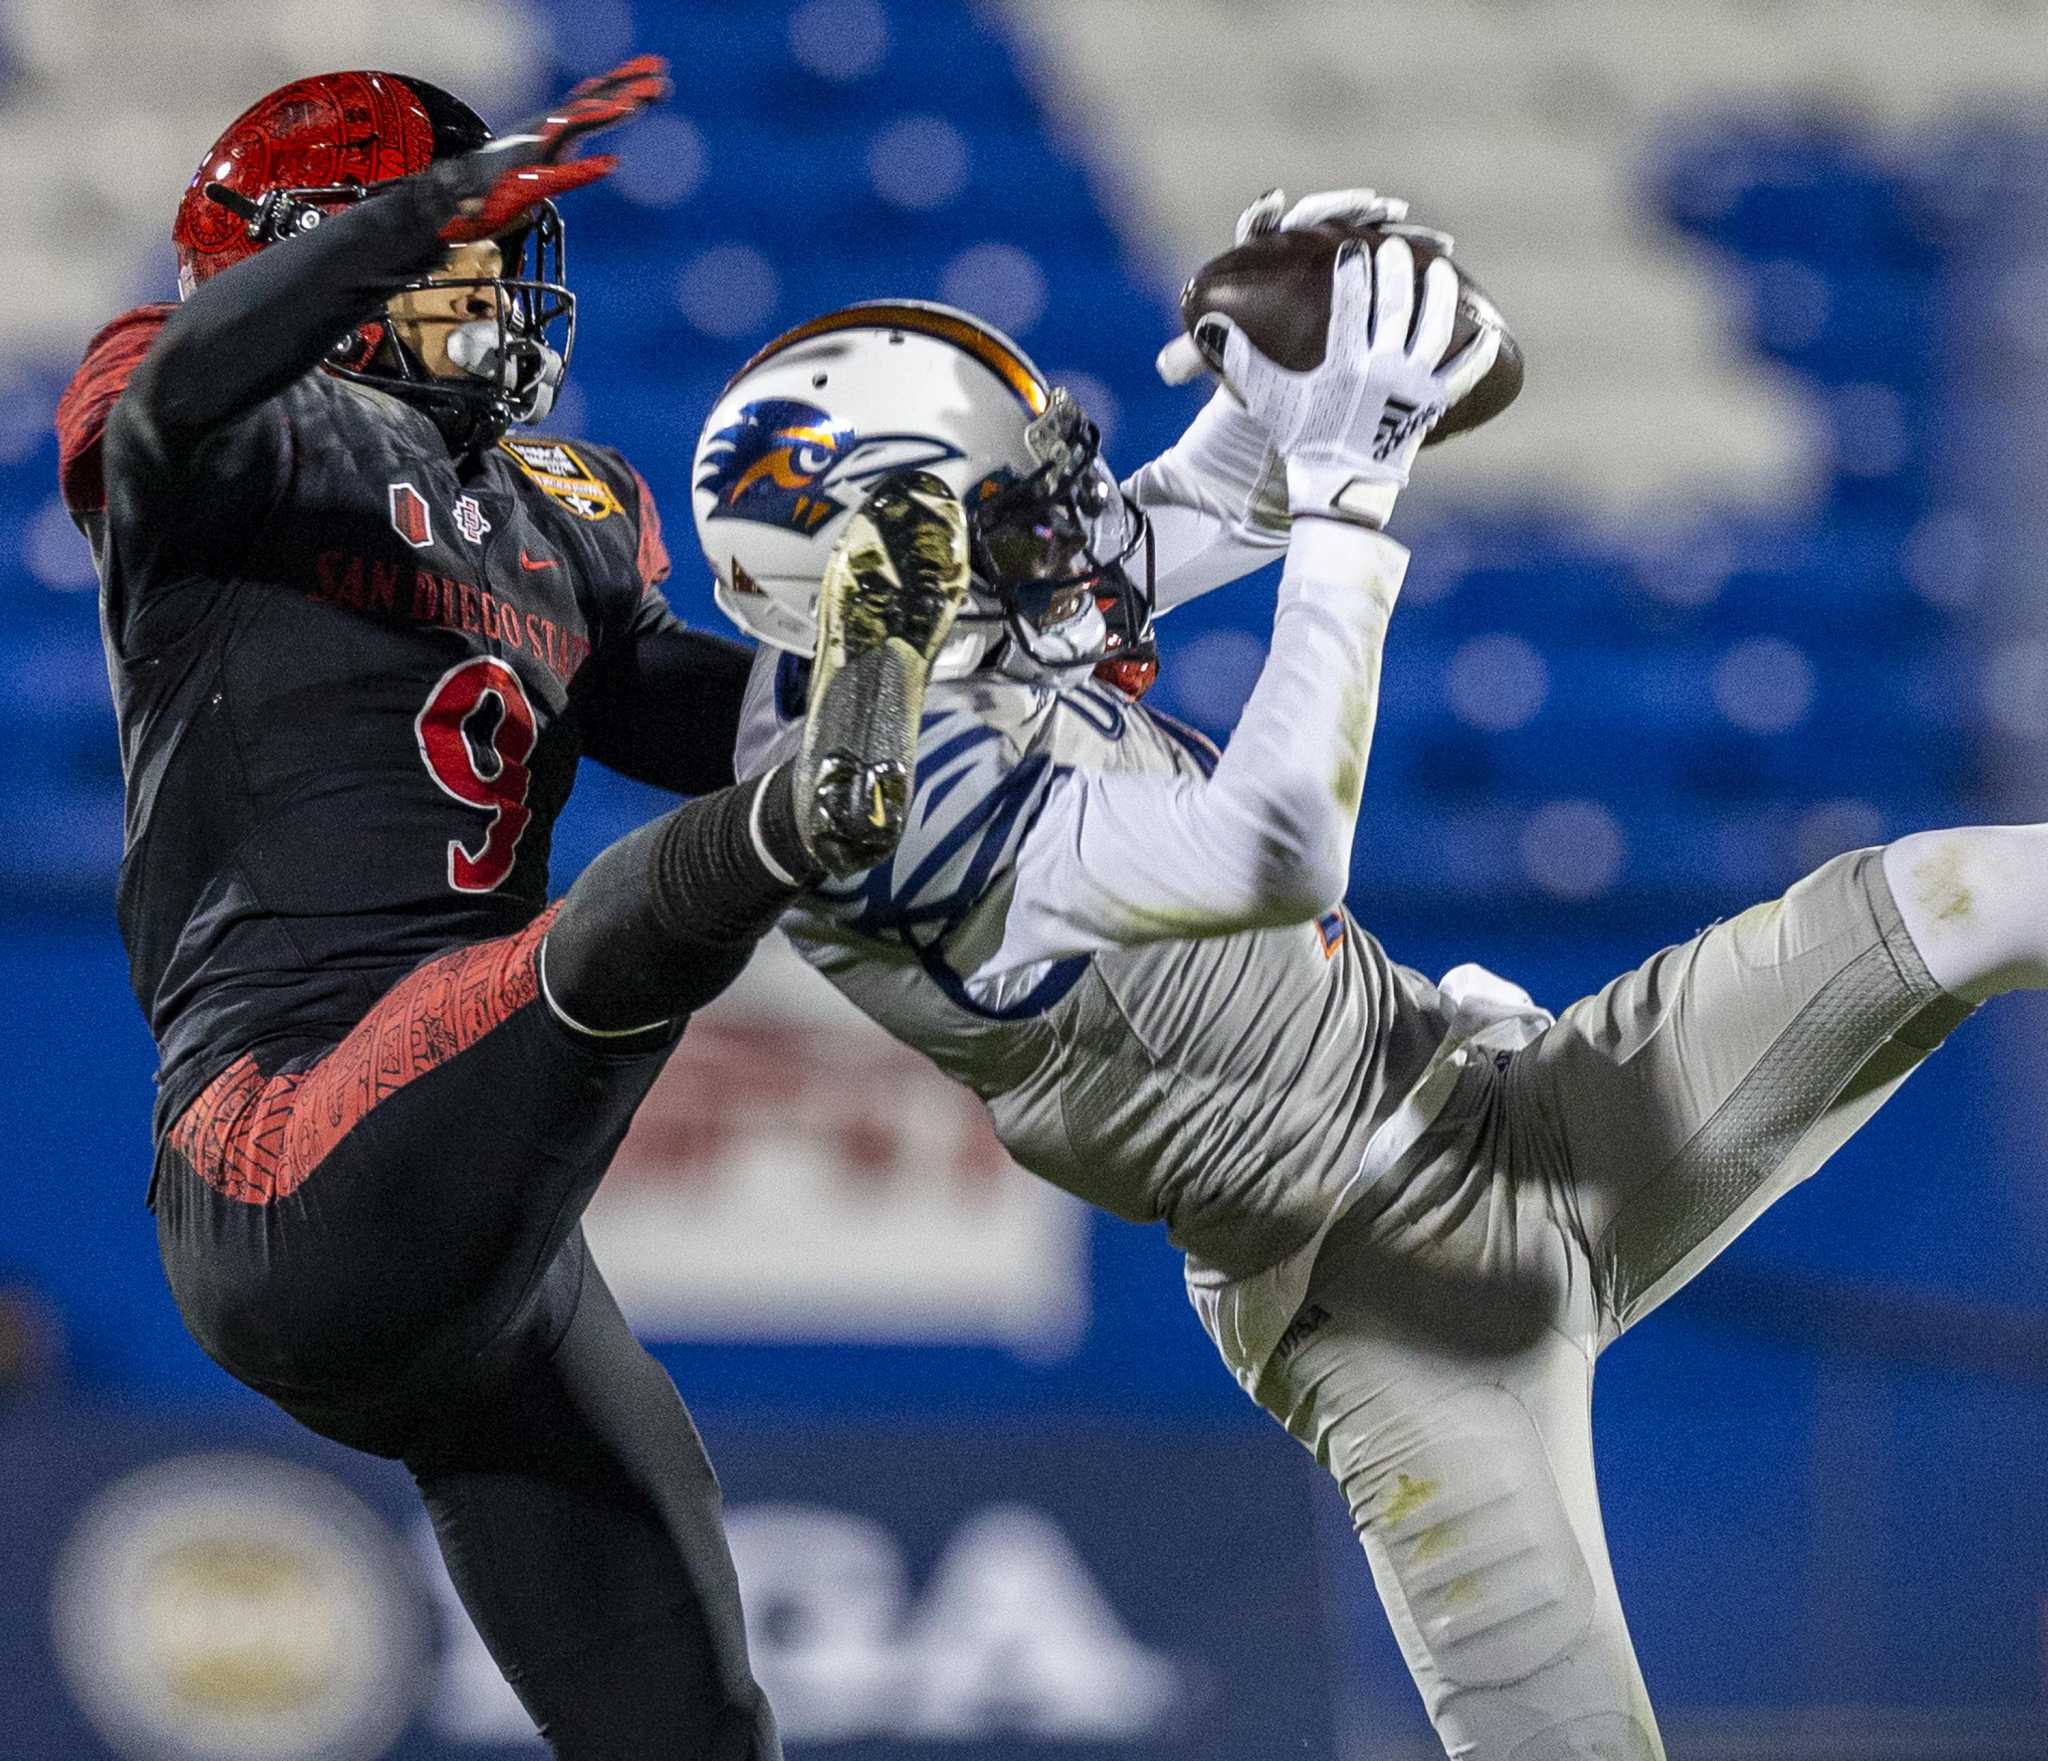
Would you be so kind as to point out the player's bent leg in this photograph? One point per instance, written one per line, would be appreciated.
(662, 921)
(1470, 1483)
(1676, 1105)
(580, 1521)
(325, 1222)
(382, 1239)
(1975, 901)
(667, 917)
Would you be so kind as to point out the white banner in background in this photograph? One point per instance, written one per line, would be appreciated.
(1013, 1638)
(798, 1175)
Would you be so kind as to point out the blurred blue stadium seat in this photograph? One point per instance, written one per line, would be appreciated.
(1710, 690)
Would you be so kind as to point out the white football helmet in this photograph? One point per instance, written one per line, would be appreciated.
(1061, 557)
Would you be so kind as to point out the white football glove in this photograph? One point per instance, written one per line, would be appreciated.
(1351, 207)
(1350, 428)
(1180, 362)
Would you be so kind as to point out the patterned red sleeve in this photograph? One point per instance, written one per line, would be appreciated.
(257, 1139)
(653, 558)
(110, 362)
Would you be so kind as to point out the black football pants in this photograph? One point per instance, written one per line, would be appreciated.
(382, 1236)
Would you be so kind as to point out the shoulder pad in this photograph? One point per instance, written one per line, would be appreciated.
(981, 779)
(110, 362)
(985, 772)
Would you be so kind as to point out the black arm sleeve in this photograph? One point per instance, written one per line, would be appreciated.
(250, 331)
(664, 707)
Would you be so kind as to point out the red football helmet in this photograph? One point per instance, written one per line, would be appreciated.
(319, 144)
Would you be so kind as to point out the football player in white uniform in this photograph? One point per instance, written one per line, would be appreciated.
(1413, 1213)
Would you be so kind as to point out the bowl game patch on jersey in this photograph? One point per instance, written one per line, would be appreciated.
(563, 476)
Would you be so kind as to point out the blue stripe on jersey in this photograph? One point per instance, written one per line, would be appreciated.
(898, 904)
(931, 764)
(1194, 743)
(893, 910)
(792, 687)
(1096, 705)
(1044, 995)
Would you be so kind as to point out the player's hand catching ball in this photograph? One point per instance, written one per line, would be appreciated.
(1349, 428)
(529, 164)
(1181, 363)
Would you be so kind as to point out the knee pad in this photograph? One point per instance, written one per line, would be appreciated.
(1466, 1524)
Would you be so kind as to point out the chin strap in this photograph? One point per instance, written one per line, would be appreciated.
(526, 370)
(355, 351)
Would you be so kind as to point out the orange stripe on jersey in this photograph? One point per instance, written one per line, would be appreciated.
(1005, 363)
(256, 1139)
(651, 555)
(110, 362)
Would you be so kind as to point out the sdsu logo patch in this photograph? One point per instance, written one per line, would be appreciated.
(778, 464)
(564, 477)
(469, 518)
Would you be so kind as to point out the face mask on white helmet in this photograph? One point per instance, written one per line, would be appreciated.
(1061, 557)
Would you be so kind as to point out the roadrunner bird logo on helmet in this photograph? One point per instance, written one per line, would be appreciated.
(779, 461)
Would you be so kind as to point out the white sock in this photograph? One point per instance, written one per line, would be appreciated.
(1975, 902)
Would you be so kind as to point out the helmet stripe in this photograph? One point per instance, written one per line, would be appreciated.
(962, 332)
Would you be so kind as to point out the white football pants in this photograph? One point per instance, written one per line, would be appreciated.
(1441, 1366)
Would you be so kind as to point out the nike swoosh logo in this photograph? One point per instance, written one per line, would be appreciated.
(536, 563)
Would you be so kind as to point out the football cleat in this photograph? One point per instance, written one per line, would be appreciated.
(892, 587)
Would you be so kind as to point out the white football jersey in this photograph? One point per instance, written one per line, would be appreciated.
(1129, 945)
(1224, 1086)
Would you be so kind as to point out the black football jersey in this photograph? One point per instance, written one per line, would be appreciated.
(346, 667)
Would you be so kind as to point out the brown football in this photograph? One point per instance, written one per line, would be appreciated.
(1276, 288)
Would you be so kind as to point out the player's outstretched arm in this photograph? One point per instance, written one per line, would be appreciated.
(1113, 860)
(1217, 502)
(247, 333)
(1266, 840)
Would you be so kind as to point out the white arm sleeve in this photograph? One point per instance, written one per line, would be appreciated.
(1217, 500)
(1115, 858)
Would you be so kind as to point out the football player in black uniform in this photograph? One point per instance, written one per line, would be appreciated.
(358, 635)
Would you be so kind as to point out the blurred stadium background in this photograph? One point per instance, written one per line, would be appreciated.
(1752, 576)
